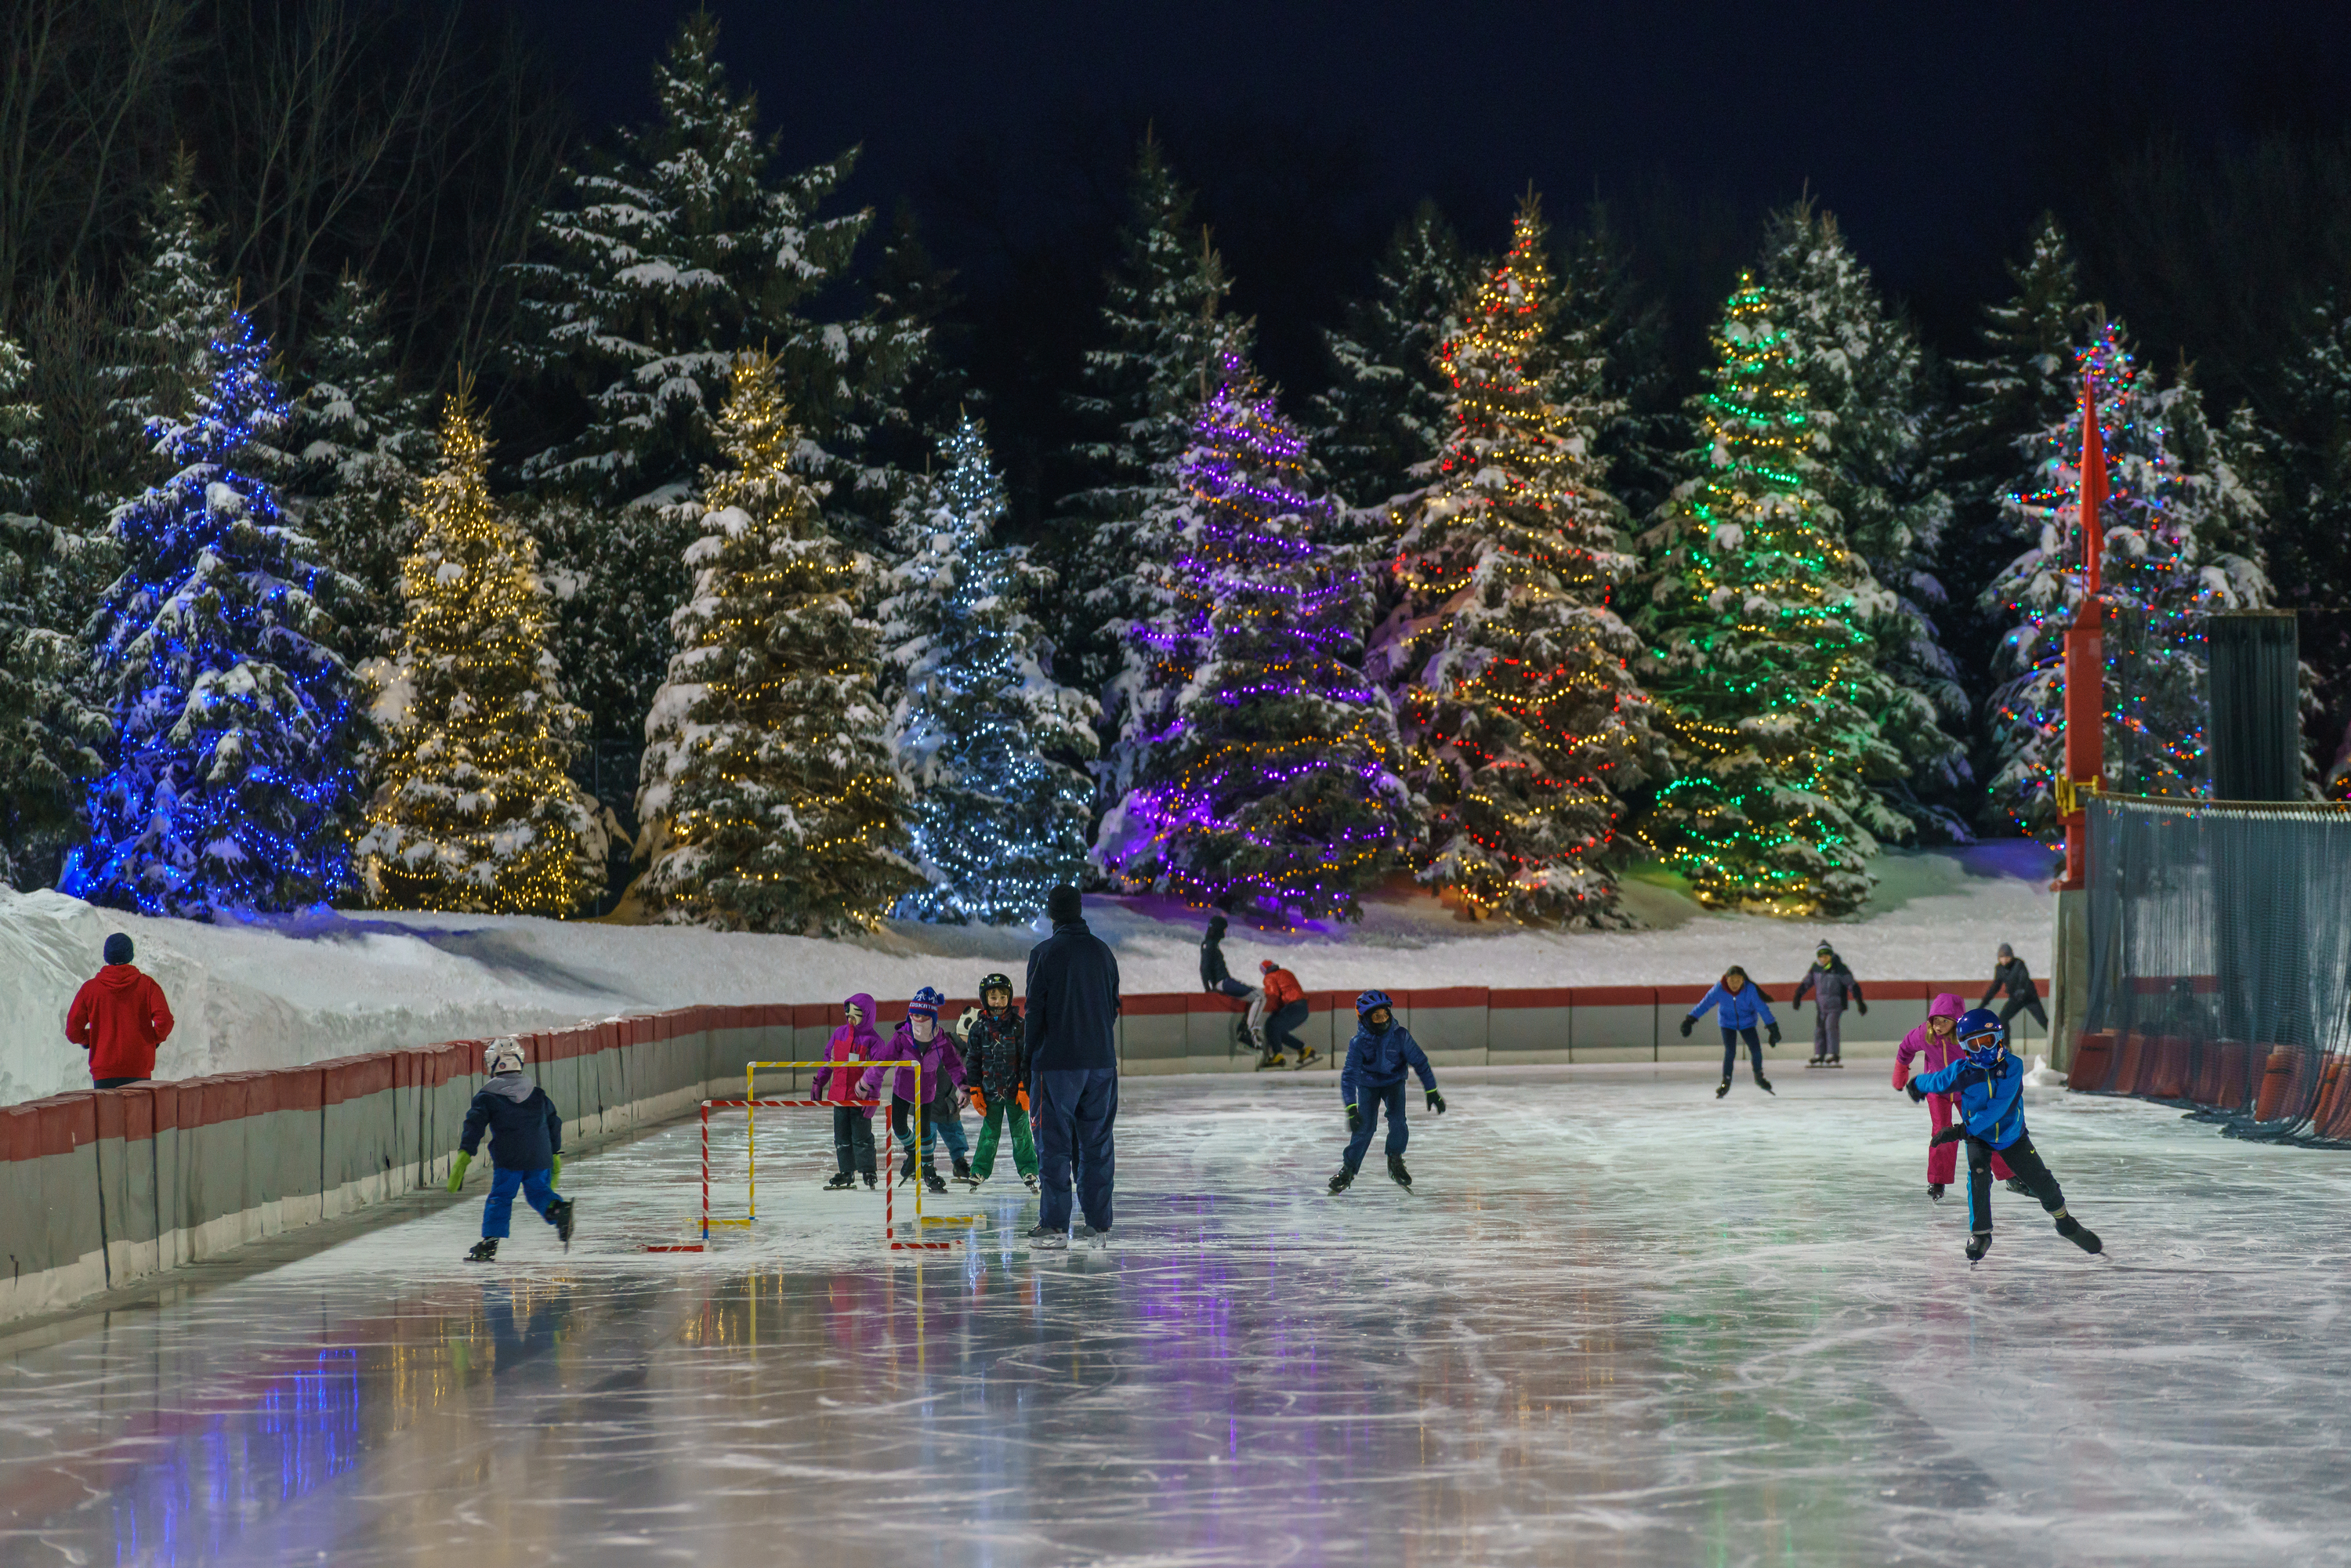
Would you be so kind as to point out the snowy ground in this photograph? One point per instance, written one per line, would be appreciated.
(1616, 1322)
(301, 989)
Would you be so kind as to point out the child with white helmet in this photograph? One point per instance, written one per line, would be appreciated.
(526, 1148)
(1990, 1088)
(1377, 1058)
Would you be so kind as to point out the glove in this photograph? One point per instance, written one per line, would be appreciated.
(1021, 1098)
(1860, 1007)
(1437, 1101)
(1772, 1031)
(457, 1169)
(1951, 1134)
(1354, 1117)
(557, 1174)
(979, 1102)
(1918, 1095)
(1689, 1024)
(1798, 1005)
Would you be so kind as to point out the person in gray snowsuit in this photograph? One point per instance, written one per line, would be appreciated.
(1831, 986)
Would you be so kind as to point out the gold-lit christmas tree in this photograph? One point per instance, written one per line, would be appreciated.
(767, 790)
(477, 812)
(1758, 651)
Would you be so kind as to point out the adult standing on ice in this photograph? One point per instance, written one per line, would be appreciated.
(120, 1017)
(1072, 995)
(1831, 985)
(1743, 1006)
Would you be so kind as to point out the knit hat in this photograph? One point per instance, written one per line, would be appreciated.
(1063, 904)
(118, 949)
(925, 1005)
(2005, 951)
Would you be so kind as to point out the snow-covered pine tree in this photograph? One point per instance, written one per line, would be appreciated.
(48, 733)
(2025, 381)
(1523, 725)
(2178, 547)
(1764, 674)
(1163, 330)
(475, 813)
(655, 267)
(992, 744)
(768, 796)
(1389, 407)
(174, 306)
(1863, 365)
(214, 656)
(1641, 433)
(2304, 466)
(1271, 781)
(362, 445)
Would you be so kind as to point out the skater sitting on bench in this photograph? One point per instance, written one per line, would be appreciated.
(1285, 1006)
(525, 1149)
(1831, 985)
(1743, 1006)
(1377, 1058)
(1990, 1084)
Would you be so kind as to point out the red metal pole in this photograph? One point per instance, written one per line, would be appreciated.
(2086, 660)
(706, 1172)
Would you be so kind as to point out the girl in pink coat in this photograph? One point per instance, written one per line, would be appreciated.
(1938, 1037)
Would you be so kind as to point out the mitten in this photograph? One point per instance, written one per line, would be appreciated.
(1354, 1117)
(1021, 1098)
(1951, 1134)
(1689, 1024)
(1918, 1095)
(979, 1102)
(1772, 1031)
(557, 1174)
(1860, 1007)
(1437, 1101)
(457, 1170)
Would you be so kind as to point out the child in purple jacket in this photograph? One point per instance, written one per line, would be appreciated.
(919, 1039)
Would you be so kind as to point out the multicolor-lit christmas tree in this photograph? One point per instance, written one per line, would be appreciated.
(1767, 681)
(767, 795)
(476, 811)
(1270, 779)
(1525, 728)
(214, 655)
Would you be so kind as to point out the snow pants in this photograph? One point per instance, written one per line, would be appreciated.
(1281, 1030)
(853, 1141)
(2022, 1159)
(991, 1128)
(1943, 1159)
(498, 1214)
(2015, 1004)
(1076, 1110)
(1828, 1034)
(1369, 1100)
(1730, 1039)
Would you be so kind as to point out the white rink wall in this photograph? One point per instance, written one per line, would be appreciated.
(292, 989)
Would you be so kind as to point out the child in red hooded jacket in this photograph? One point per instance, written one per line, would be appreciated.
(120, 1017)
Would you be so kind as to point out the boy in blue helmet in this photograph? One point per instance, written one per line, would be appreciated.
(1990, 1084)
(1377, 1060)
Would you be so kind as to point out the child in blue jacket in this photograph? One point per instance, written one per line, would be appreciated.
(1377, 1058)
(1743, 1006)
(1990, 1084)
(525, 1149)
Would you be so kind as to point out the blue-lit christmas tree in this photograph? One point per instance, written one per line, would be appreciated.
(989, 740)
(213, 656)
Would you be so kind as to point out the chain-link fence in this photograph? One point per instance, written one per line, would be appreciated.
(2220, 962)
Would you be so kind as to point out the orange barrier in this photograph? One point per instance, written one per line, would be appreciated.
(2094, 1061)
(2332, 1117)
(2128, 1051)
(2277, 1084)
(2163, 1072)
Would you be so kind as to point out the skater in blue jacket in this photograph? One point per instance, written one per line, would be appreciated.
(1377, 1058)
(1990, 1084)
(1743, 1006)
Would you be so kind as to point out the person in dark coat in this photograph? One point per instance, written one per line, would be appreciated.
(1831, 986)
(1218, 981)
(2009, 977)
(1378, 1056)
(1072, 1000)
(525, 1149)
(120, 1017)
(995, 1065)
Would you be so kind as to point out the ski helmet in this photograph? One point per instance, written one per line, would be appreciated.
(504, 1054)
(927, 1004)
(1982, 1035)
(1369, 1000)
(995, 983)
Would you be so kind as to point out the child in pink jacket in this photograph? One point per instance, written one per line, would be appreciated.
(1938, 1039)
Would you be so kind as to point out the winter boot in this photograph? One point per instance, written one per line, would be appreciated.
(1343, 1181)
(1935, 1191)
(1764, 1083)
(2079, 1234)
(485, 1251)
(1396, 1172)
(1977, 1245)
(844, 1182)
(560, 1212)
(1722, 1089)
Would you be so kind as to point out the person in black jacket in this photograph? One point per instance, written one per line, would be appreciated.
(1072, 994)
(996, 1071)
(525, 1149)
(2008, 975)
(1218, 980)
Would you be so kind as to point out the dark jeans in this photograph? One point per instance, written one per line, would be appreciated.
(1074, 1111)
(1280, 1029)
(114, 1083)
(2015, 1004)
(1730, 1039)
(2025, 1162)
(1232, 987)
(1369, 1100)
(853, 1140)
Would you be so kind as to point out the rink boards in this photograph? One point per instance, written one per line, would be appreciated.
(107, 1188)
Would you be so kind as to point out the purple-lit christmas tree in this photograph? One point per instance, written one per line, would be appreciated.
(214, 658)
(1270, 781)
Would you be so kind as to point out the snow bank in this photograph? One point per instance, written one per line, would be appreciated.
(278, 991)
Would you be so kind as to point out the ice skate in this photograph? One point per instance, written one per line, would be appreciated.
(1342, 1181)
(962, 1172)
(1029, 1182)
(1977, 1245)
(1396, 1172)
(561, 1211)
(1722, 1089)
(1306, 1056)
(1935, 1191)
(934, 1182)
(1087, 1236)
(2079, 1234)
(841, 1182)
(1818, 1062)
(1270, 1059)
(1833, 1061)
(1044, 1240)
(485, 1251)
(868, 1181)
(2016, 1184)
(1765, 1084)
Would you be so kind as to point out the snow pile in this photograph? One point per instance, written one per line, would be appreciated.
(283, 990)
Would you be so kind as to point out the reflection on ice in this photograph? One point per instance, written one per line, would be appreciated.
(1617, 1322)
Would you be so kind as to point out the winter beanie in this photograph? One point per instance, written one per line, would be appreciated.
(1064, 904)
(118, 949)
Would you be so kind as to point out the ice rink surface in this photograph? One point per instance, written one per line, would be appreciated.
(1616, 1322)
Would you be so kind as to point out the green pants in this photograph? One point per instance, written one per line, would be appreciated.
(1024, 1147)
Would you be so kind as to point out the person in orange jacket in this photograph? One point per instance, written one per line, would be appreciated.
(120, 1017)
(1285, 1009)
